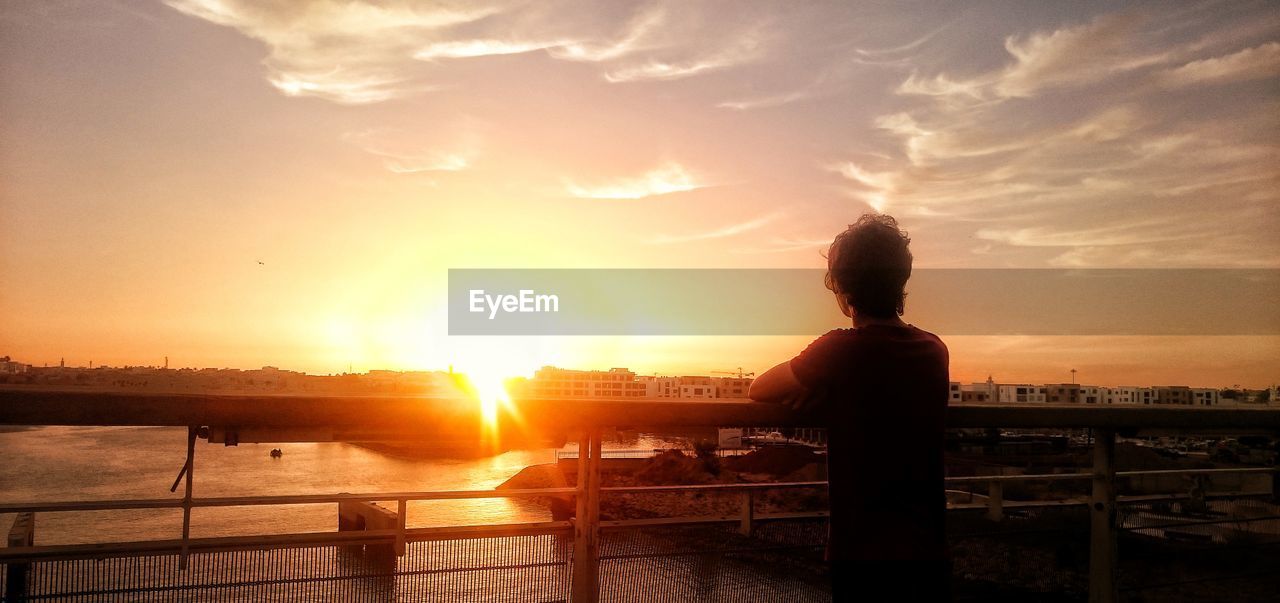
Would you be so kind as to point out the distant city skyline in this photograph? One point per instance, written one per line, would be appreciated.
(709, 374)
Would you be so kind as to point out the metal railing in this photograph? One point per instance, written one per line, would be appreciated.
(580, 555)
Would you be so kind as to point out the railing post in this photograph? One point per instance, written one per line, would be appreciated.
(747, 524)
(23, 533)
(1102, 515)
(402, 509)
(186, 499)
(995, 500)
(586, 524)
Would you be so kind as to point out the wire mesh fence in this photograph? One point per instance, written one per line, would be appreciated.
(511, 568)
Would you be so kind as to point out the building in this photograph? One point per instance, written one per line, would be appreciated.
(732, 387)
(697, 387)
(1124, 394)
(1021, 392)
(660, 387)
(1092, 394)
(1062, 393)
(1202, 396)
(1172, 394)
(974, 393)
(9, 367)
(552, 382)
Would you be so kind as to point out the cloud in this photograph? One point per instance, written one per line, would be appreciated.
(406, 153)
(789, 244)
(1075, 153)
(909, 46)
(718, 233)
(776, 100)
(745, 49)
(345, 52)
(665, 179)
(462, 49)
(353, 52)
(1251, 63)
(633, 39)
(1101, 236)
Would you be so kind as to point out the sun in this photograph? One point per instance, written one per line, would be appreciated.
(490, 391)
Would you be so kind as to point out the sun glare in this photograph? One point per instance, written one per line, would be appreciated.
(491, 392)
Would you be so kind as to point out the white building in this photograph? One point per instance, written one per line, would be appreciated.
(1093, 394)
(1020, 392)
(976, 393)
(1124, 394)
(732, 387)
(697, 387)
(552, 382)
(661, 387)
(9, 367)
(1201, 396)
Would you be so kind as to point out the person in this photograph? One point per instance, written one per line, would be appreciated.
(880, 388)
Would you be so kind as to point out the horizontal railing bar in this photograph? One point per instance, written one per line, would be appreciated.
(1215, 470)
(303, 499)
(982, 479)
(91, 505)
(1127, 500)
(276, 541)
(1143, 498)
(1201, 522)
(706, 519)
(408, 416)
(712, 487)
(1081, 476)
(289, 499)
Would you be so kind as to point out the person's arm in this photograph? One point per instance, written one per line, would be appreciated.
(779, 385)
(801, 382)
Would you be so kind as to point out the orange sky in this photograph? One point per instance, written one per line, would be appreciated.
(152, 153)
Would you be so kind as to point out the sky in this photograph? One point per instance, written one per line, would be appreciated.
(241, 183)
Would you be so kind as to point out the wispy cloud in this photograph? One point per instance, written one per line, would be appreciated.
(763, 102)
(788, 244)
(405, 153)
(1064, 154)
(668, 178)
(1259, 62)
(907, 47)
(746, 47)
(718, 233)
(353, 52)
(345, 52)
(462, 49)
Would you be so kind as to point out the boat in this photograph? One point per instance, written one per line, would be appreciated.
(276, 453)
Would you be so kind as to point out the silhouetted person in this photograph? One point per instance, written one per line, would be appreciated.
(880, 389)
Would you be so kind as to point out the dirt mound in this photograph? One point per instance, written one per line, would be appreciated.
(675, 467)
(774, 460)
(1131, 457)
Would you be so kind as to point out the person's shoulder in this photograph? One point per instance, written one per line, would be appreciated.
(923, 334)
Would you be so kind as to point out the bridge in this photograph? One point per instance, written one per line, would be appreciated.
(747, 554)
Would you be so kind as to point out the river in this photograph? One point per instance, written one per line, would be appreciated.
(113, 463)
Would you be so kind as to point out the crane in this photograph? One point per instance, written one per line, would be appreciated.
(739, 373)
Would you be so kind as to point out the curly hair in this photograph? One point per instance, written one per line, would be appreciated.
(868, 265)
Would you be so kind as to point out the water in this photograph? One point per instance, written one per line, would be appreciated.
(113, 463)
